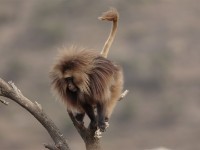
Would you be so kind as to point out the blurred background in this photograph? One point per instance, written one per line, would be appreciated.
(157, 44)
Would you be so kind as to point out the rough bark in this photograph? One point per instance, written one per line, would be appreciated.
(10, 91)
(87, 134)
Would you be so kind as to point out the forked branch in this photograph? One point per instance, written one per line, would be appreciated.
(87, 134)
(9, 90)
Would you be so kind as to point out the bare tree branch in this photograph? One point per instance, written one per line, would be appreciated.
(123, 95)
(92, 142)
(10, 91)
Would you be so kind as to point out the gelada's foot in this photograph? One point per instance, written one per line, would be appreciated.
(107, 124)
(103, 126)
(98, 134)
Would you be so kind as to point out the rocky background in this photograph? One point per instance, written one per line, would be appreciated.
(157, 44)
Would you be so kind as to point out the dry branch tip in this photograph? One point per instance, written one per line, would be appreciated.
(123, 95)
(4, 102)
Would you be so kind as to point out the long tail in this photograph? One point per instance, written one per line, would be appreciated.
(110, 15)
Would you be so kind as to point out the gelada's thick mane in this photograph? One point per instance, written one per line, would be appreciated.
(89, 66)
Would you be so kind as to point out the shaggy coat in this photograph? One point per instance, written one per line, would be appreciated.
(97, 79)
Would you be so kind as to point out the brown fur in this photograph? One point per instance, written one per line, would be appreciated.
(110, 15)
(95, 77)
(85, 79)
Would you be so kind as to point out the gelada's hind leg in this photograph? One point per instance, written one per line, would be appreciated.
(109, 110)
(101, 110)
(90, 112)
(104, 112)
(79, 117)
